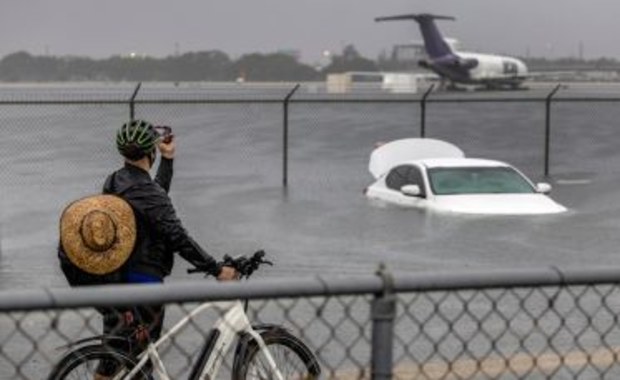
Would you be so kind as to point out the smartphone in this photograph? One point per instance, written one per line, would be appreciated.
(165, 132)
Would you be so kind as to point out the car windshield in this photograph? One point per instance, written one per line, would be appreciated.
(478, 180)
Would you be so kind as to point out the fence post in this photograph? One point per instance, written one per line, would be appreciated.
(285, 103)
(423, 111)
(383, 312)
(548, 127)
(132, 112)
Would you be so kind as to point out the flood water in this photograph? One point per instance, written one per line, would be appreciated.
(228, 181)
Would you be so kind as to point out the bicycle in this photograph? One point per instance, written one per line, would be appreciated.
(264, 351)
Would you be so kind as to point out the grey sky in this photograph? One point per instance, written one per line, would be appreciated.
(101, 28)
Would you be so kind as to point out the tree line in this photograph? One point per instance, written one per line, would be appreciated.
(215, 65)
(211, 65)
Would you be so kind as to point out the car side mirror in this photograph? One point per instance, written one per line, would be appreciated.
(543, 188)
(411, 190)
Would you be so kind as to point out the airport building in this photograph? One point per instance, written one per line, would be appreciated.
(400, 73)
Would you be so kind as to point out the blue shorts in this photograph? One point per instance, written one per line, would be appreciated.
(142, 278)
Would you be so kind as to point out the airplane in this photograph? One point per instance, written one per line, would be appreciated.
(490, 70)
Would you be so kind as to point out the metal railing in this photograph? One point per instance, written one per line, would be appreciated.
(501, 324)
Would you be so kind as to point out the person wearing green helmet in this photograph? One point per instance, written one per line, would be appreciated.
(160, 233)
(137, 139)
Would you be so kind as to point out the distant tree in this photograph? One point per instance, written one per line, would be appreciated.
(273, 67)
(127, 68)
(22, 66)
(194, 66)
(211, 65)
(82, 69)
(215, 65)
(349, 60)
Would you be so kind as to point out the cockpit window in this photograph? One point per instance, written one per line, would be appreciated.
(510, 67)
(478, 180)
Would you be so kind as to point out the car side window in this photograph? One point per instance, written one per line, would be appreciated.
(405, 175)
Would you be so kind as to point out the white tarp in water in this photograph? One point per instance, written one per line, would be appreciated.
(388, 155)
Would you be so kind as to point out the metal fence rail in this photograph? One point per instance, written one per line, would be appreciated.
(511, 324)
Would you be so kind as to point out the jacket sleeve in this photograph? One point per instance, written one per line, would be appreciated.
(164, 173)
(160, 211)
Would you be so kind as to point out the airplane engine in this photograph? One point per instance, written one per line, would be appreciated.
(457, 62)
(424, 64)
(468, 63)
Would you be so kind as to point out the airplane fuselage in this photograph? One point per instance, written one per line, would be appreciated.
(479, 69)
(497, 68)
(461, 67)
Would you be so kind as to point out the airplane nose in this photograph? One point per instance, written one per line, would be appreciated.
(521, 68)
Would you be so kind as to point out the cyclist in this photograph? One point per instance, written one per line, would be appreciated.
(160, 232)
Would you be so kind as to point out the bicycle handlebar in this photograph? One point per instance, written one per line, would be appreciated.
(243, 265)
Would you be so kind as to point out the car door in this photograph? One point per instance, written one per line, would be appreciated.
(401, 175)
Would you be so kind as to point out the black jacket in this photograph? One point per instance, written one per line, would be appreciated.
(160, 232)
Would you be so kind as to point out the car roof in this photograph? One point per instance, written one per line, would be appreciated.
(459, 162)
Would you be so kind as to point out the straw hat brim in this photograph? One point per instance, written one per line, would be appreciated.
(113, 256)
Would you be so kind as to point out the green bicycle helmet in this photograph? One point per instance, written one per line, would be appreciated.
(136, 139)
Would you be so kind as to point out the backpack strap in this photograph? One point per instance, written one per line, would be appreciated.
(108, 184)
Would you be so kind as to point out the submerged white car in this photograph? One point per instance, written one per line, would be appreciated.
(436, 175)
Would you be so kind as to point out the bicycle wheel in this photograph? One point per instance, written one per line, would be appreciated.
(87, 361)
(293, 358)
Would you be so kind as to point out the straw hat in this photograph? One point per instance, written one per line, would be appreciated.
(98, 233)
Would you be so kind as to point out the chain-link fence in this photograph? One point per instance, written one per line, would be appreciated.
(57, 145)
(62, 139)
(534, 324)
(57, 148)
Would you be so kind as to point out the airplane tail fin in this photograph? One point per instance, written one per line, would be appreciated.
(434, 42)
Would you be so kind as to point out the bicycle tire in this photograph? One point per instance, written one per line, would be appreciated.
(83, 362)
(293, 358)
